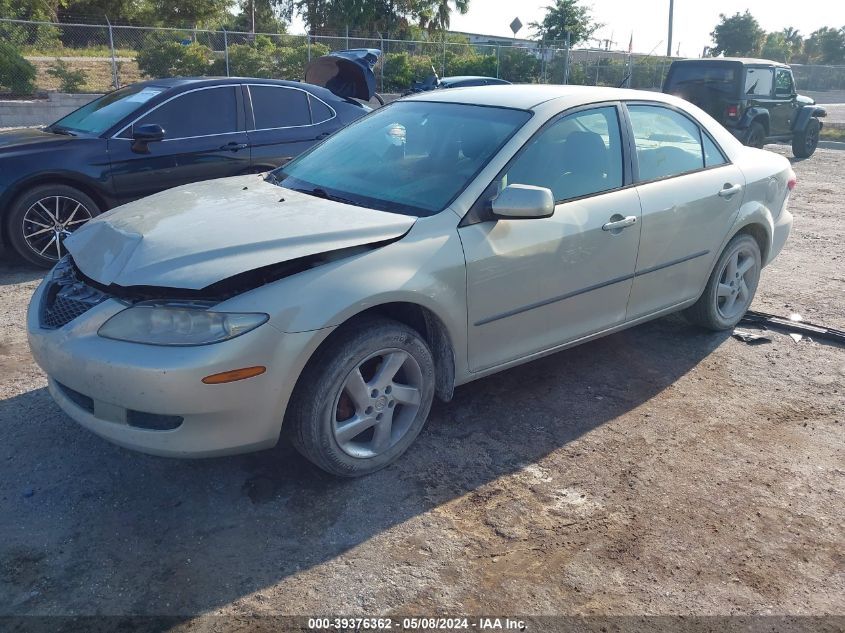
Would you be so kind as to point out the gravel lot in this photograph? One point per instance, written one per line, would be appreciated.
(663, 470)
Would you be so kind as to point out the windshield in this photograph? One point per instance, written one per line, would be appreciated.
(411, 157)
(99, 115)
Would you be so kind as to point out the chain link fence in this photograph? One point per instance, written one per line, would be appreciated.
(42, 56)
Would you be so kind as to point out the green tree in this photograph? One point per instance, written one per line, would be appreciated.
(518, 66)
(794, 39)
(776, 47)
(69, 80)
(187, 13)
(826, 46)
(268, 17)
(738, 35)
(566, 16)
(435, 15)
(164, 57)
(16, 74)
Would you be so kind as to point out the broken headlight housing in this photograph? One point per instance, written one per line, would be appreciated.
(178, 325)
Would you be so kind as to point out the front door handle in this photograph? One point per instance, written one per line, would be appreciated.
(320, 137)
(233, 146)
(728, 190)
(617, 222)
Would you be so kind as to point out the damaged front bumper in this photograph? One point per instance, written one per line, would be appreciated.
(152, 398)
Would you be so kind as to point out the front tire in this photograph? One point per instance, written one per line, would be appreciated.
(731, 287)
(363, 398)
(41, 218)
(756, 135)
(805, 142)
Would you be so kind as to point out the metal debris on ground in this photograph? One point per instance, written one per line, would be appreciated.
(796, 337)
(752, 338)
(794, 325)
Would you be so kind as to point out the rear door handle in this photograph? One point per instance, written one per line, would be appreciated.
(233, 146)
(728, 190)
(617, 222)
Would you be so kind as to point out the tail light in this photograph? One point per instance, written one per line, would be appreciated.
(793, 180)
(732, 111)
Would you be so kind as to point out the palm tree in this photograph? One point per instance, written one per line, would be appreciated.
(435, 15)
(794, 38)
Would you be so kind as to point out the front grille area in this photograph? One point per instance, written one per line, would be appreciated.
(66, 297)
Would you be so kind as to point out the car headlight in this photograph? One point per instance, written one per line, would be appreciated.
(178, 325)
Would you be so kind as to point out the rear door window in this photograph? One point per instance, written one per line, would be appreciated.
(277, 106)
(758, 81)
(667, 142)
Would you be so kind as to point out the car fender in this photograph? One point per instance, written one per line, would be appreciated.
(805, 114)
(754, 113)
(426, 268)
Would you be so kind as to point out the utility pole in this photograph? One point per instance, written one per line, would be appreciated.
(669, 42)
(252, 4)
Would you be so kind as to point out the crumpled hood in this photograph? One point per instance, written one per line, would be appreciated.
(195, 235)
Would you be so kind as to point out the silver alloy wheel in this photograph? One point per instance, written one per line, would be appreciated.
(378, 403)
(49, 221)
(739, 275)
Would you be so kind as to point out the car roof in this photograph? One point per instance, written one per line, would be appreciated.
(749, 61)
(530, 96)
(183, 81)
(465, 78)
(171, 83)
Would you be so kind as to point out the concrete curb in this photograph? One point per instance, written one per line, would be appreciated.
(832, 144)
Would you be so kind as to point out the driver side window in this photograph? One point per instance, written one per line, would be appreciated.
(577, 155)
(783, 83)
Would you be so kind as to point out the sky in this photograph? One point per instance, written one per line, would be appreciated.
(648, 20)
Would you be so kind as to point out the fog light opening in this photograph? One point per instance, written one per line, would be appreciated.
(233, 375)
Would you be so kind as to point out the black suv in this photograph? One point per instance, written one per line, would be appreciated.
(753, 98)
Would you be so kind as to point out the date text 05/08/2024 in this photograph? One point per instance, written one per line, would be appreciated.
(416, 623)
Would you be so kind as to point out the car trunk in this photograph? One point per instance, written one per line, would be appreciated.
(712, 86)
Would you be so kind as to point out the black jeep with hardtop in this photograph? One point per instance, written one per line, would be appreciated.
(753, 98)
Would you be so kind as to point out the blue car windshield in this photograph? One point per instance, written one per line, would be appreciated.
(411, 157)
(101, 114)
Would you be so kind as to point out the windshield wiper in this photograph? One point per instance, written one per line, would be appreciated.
(60, 130)
(319, 192)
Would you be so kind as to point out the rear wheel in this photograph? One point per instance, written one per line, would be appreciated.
(756, 135)
(363, 398)
(805, 142)
(40, 219)
(731, 286)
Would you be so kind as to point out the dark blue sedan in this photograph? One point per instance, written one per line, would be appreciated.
(148, 137)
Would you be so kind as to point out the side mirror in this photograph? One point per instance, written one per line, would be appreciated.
(144, 134)
(524, 202)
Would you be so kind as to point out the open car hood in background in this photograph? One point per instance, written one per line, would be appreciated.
(346, 73)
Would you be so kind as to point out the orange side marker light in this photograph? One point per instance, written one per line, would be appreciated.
(233, 375)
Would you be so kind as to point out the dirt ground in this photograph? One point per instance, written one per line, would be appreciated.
(663, 470)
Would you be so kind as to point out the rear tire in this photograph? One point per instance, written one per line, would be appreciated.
(805, 142)
(731, 287)
(41, 218)
(363, 398)
(756, 135)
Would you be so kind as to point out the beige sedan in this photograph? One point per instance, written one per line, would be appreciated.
(437, 240)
